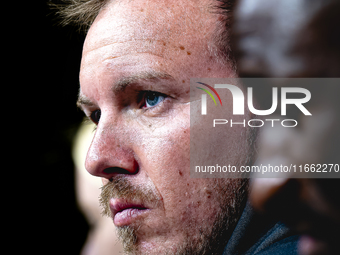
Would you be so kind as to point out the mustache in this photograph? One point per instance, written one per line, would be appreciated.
(120, 187)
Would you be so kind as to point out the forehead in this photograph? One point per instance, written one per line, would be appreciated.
(141, 36)
(143, 20)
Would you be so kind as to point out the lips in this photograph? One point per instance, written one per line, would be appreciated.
(125, 212)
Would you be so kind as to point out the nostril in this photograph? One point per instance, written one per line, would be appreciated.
(118, 170)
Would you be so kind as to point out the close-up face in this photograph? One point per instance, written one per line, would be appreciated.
(137, 62)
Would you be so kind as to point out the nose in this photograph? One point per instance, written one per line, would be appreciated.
(111, 152)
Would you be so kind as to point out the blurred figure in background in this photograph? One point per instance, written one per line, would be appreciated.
(296, 39)
(101, 239)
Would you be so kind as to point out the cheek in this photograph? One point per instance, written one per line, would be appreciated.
(166, 150)
(164, 154)
(219, 144)
(168, 167)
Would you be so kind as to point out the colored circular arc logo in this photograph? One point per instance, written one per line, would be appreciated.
(209, 93)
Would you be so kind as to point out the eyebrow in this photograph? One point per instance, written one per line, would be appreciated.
(125, 82)
(83, 100)
(153, 76)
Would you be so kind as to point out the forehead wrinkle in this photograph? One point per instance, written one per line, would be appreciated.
(131, 47)
(105, 53)
(107, 59)
(107, 42)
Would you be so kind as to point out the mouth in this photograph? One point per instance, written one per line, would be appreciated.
(125, 212)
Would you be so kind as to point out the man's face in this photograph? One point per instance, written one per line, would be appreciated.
(137, 62)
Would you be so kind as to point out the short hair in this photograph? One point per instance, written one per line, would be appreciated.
(79, 13)
(82, 13)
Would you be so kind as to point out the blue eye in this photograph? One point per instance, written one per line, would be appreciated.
(153, 98)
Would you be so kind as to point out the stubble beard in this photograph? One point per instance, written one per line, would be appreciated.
(212, 240)
(207, 240)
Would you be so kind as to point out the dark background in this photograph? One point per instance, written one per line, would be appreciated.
(45, 58)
